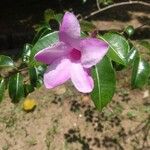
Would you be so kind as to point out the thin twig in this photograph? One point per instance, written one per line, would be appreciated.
(116, 5)
(98, 5)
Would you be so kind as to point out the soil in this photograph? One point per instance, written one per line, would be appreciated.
(65, 119)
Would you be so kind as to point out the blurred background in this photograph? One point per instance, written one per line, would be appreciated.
(18, 18)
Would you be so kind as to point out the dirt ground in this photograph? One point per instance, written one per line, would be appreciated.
(65, 119)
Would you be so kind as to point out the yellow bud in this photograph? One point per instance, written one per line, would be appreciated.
(29, 104)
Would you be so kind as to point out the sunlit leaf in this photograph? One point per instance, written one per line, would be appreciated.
(16, 88)
(58, 17)
(118, 47)
(46, 41)
(42, 32)
(6, 61)
(36, 75)
(26, 52)
(140, 73)
(133, 53)
(104, 83)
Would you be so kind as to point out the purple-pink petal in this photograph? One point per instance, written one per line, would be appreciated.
(57, 73)
(69, 31)
(72, 57)
(49, 54)
(70, 25)
(92, 51)
(81, 78)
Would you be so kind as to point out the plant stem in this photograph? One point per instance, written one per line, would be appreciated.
(116, 5)
(98, 5)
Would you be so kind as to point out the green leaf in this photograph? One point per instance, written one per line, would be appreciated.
(118, 47)
(2, 88)
(36, 75)
(59, 17)
(39, 82)
(33, 73)
(16, 88)
(41, 70)
(104, 83)
(6, 61)
(140, 73)
(42, 32)
(26, 53)
(87, 26)
(133, 53)
(46, 41)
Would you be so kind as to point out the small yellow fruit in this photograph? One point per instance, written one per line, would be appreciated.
(29, 104)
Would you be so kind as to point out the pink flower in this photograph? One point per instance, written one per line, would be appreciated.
(72, 57)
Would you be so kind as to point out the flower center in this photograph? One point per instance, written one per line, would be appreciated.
(75, 54)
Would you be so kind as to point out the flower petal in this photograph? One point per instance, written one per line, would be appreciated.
(49, 54)
(81, 78)
(57, 73)
(92, 51)
(69, 31)
(70, 25)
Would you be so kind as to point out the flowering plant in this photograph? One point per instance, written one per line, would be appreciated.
(72, 56)
(71, 53)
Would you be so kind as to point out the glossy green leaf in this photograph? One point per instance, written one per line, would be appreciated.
(16, 88)
(41, 69)
(118, 47)
(45, 41)
(140, 73)
(36, 75)
(59, 17)
(39, 82)
(33, 73)
(104, 83)
(6, 61)
(42, 32)
(26, 53)
(133, 53)
(2, 88)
